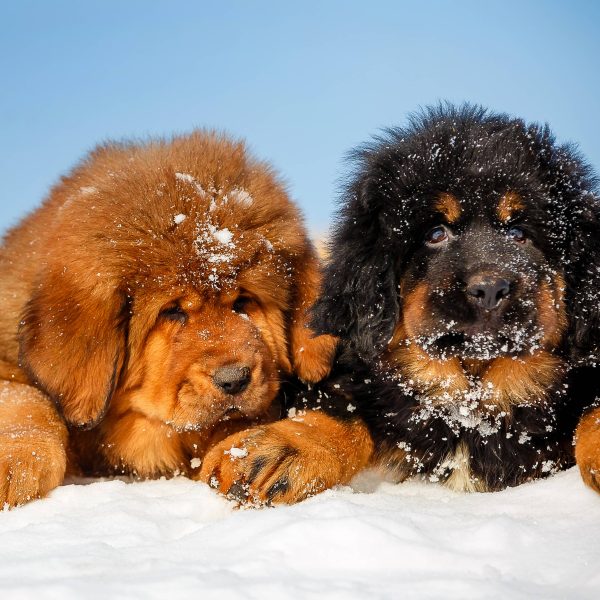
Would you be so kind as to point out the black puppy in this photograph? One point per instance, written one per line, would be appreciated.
(464, 285)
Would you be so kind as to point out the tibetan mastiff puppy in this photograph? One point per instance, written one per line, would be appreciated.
(464, 285)
(153, 303)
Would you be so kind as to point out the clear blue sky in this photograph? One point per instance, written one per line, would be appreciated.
(303, 83)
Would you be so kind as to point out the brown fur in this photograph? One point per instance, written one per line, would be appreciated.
(509, 206)
(329, 452)
(587, 448)
(552, 312)
(83, 282)
(510, 381)
(449, 206)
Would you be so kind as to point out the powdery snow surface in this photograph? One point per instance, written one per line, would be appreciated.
(177, 539)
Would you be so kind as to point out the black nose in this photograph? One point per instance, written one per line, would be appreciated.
(488, 291)
(232, 379)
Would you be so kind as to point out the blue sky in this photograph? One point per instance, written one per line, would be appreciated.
(304, 83)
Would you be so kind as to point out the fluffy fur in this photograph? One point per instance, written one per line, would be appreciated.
(464, 283)
(158, 297)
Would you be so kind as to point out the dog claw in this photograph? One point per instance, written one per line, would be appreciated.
(238, 492)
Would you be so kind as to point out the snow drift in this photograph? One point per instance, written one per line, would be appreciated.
(178, 539)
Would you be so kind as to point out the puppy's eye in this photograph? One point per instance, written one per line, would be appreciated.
(174, 313)
(517, 234)
(437, 235)
(242, 304)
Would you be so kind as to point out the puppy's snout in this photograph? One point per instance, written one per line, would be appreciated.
(488, 291)
(232, 379)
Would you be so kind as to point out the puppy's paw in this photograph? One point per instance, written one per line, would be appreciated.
(287, 461)
(30, 466)
(587, 449)
(267, 465)
(314, 356)
(33, 441)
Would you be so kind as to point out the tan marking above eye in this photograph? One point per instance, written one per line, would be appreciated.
(449, 206)
(509, 206)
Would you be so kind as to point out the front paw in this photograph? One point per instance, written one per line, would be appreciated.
(33, 442)
(30, 467)
(587, 449)
(287, 461)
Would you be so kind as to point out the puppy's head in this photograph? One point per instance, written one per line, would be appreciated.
(175, 278)
(201, 353)
(467, 233)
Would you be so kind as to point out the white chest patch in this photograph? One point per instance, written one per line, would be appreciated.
(461, 479)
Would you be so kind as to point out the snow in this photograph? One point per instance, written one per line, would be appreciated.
(86, 190)
(187, 178)
(215, 245)
(178, 539)
(237, 452)
(223, 236)
(241, 196)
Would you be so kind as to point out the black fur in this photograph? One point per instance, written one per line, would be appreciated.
(377, 244)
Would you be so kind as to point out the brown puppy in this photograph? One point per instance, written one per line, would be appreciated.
(157, 296)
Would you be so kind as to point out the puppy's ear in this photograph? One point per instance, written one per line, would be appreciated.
(359, 298)
(312, 355)
(72, 344)
(583, 281)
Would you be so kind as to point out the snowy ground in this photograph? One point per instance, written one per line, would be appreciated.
(177, 539)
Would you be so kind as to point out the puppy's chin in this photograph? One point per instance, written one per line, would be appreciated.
(199, 413)
(480, 345)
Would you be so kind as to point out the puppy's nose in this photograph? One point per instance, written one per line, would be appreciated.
(232, 379)
(488, 291)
